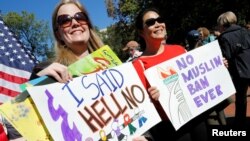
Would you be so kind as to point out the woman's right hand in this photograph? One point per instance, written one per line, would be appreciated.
(140, 138)
(58, 71)
(154, 93)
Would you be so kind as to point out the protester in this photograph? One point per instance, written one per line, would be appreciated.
(133, 50)
(205, 35)
(215, 32)
(74, 39)
(193, 40)
(152, 31)
(236, 49)
(248, 26)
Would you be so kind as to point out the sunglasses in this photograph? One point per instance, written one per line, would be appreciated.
(151, 21)
(66, 20)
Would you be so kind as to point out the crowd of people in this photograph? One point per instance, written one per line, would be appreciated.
(75, 38)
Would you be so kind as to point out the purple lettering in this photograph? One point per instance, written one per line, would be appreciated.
(68, 134)
(182, 64)
(218, 91)
(197, 101)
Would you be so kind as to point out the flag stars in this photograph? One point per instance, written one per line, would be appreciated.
(23, 63)
(9, 33)
(6, 40)
(19, 56)
(12, 59)
(2, 47)
(14, 51)
(10, 45)
(6, 28)
(31, 61)
(7, 53)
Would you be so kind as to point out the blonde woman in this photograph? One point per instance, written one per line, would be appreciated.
(74, 39)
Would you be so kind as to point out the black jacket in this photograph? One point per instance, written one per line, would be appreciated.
(236, 49)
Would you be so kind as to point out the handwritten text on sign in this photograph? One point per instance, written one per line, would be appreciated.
(107, 104)
(191, 83)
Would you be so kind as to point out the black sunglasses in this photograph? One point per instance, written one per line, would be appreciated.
(66, 20)
(151, 21)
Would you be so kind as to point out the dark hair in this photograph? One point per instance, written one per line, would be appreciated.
(139, 24)
(139, 18)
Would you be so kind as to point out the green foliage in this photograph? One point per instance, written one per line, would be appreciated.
(180, 17)
(33, 33)
(124, 11)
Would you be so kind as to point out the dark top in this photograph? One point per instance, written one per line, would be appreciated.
(235, 48)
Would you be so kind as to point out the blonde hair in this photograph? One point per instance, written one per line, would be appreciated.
(226, 19)
(64, 54)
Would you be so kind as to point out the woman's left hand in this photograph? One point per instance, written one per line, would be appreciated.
(225, 62)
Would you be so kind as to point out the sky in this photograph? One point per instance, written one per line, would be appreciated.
(43, 9)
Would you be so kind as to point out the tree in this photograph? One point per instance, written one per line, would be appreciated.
(180, 16)
(124, 12)
(34, 34)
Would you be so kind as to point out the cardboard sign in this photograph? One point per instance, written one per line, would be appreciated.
(191, 83)
(107, 105)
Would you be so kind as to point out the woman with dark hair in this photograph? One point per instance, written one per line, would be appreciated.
(152, 31)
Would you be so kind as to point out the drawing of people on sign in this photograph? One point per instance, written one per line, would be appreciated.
(140, 117)
(103, 136)
(117, 128)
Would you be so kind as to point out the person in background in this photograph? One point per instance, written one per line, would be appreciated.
(248, 26)
(237, 53)
(133, 50)
(205, 35)
(152, 30)
(216, 32)
(193, 40)
(217, 116)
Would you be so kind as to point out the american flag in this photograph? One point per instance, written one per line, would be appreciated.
(16, 63)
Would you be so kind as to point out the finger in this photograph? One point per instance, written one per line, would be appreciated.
(70, 77)
(56, 76)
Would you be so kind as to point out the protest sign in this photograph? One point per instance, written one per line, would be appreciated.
(23, 116)
(22, 110)
(191, 83)
(106, 105)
